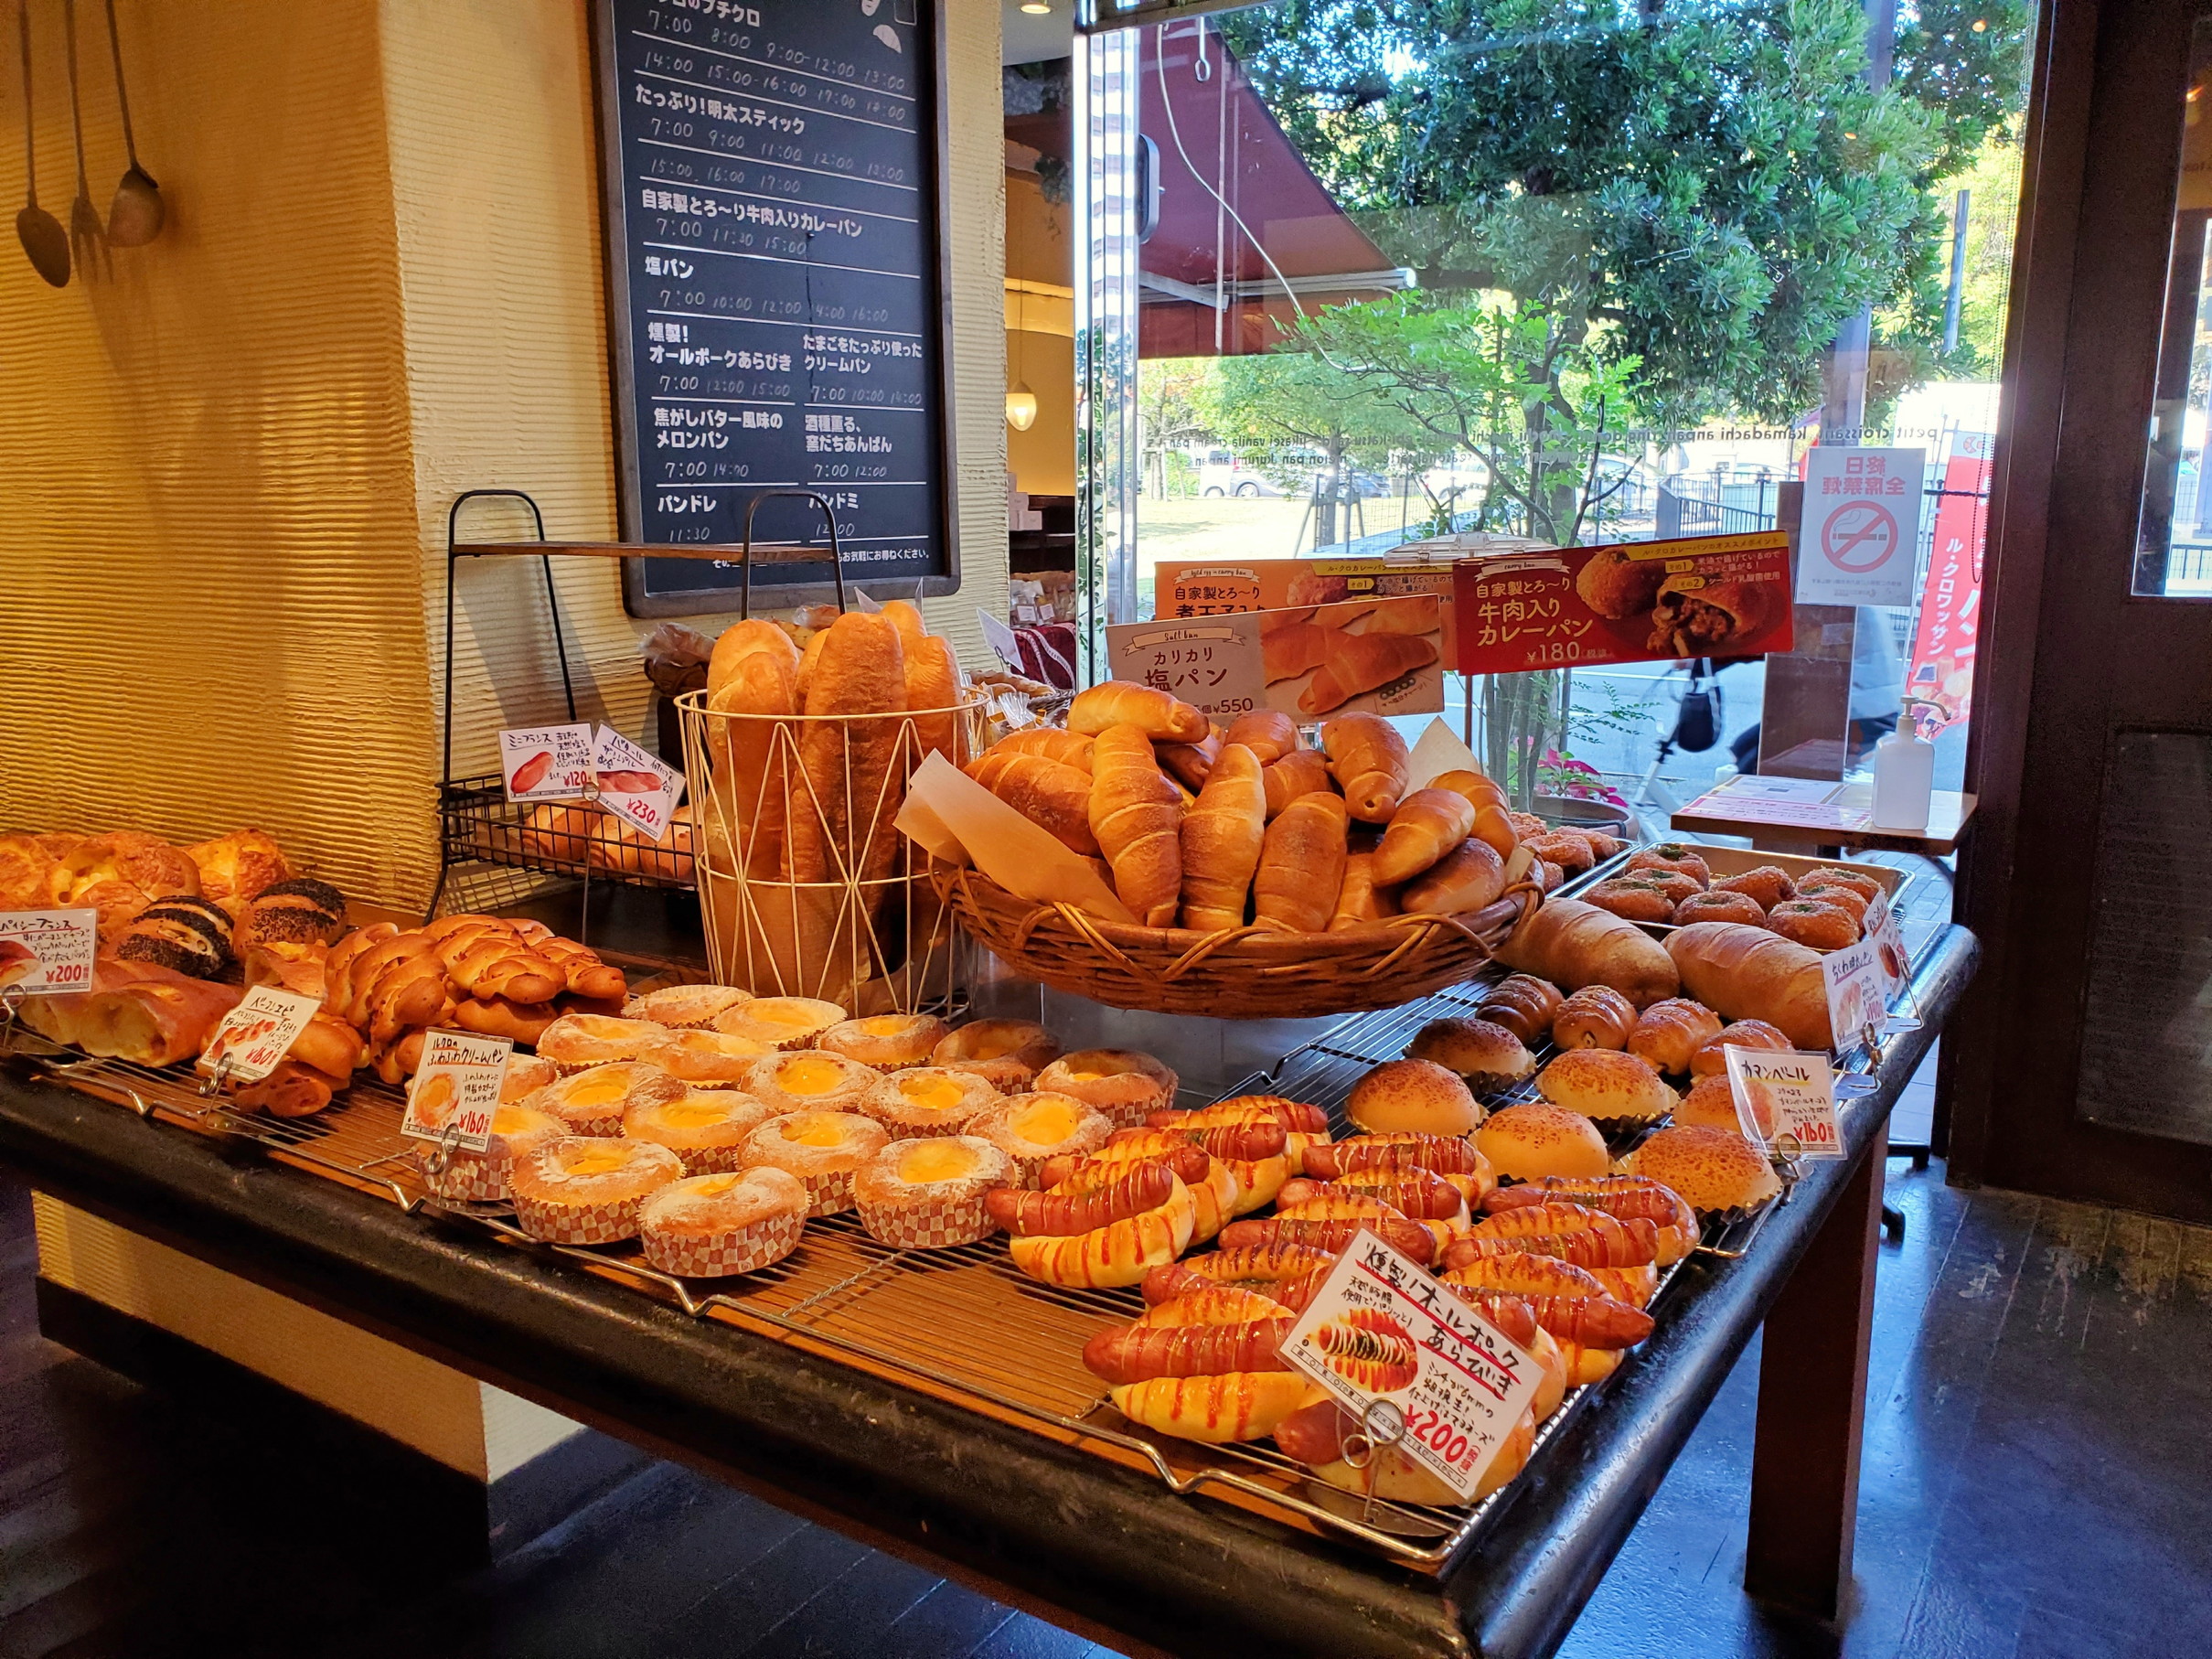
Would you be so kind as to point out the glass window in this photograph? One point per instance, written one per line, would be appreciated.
(2173, 544)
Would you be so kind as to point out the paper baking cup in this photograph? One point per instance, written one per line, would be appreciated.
(1128, 1116)
(1614, 1129)
(744, 1250)
(711, 1160)
(936, 1224)
(467, 1178)
(828, 1194)
(579, 1223)
(604, 1124)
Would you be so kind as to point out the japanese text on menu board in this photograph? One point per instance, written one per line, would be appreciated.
(779, 242)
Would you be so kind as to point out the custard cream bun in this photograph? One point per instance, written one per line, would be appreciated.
(704, 1127)
(1119, 1083)
(466, 1177)
(1009, 1052)
(810, 1080)
(887, 1042)
(928, 1194)
(822, 1148)
(729, 1221)
(1033, 1129)
(587, 1188)
(593, 1102)
(525, 1074)
(708, 1057)
(781, 1022)
(685, 1007)
(575, 1041)
(922, 1101)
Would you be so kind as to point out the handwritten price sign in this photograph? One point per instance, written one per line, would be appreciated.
(546, 763)
(1785, 1102)
(1381, 1329)
(634, 786)
(1859, 996)
(455, 1093)
(257, 1034)
(45, 953)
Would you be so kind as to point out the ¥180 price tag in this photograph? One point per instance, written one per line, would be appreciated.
(1785, 1102)
(636, 786)
(1381, 1329)
(546, 763)
(257, 1034)
(45, 953)
(455, 1092)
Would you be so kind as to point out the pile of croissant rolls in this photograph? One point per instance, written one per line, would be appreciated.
(1210, 829)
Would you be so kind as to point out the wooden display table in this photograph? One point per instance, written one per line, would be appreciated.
(1819, 816)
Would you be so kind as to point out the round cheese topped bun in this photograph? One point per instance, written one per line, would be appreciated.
(1717, 1171)
(586, 1189)
(1009, 1054)
(1118, 1082)
(1418, 1095)
(1529, 1142)
(822, 1148)
(707, 1226)
(1031, 1128)
(929, 1100)
(928, 1194)
(780, 1021)
(704, 1127)
(593, 1102)
(469, 1177)
(682, 1007)
(708, 1057)
(1613, 1089)
(887, 1042)
(525, 1074)
(575, 1041)
(810, 1079)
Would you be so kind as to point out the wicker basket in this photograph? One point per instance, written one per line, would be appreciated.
(1242, 973)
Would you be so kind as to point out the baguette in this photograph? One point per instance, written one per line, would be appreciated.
(1358, 663)
(848, 762)
(1574, 945)
(1429, 825)
(1300, 772)
(1055, 797)
(1358, 902)
(744, 639)
(1368, 759)
(932, 690)
(1116, 702)
(1135, 810)
(1469, 877)
(752, 780)
(1493, 816)
(1747, 973)
(1301, 865)
(1222, 837)
(1269, 734)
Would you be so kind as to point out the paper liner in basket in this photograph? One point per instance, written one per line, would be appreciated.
(960, 821)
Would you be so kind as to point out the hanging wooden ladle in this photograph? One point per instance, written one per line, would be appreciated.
(40, 232)
(134, 217)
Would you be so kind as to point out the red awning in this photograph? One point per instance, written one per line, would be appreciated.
(1206, 290)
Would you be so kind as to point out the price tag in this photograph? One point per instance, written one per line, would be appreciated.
(546, 763)
(1890, 953)
(636, 786)
(1856, 993)
(1001, 640)
(455, 1092)
(257, 1033)
(45, 953)
(1380, 1328)
(1785, 1102)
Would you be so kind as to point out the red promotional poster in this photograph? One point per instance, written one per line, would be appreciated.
(1941, 682)
(1631, 602)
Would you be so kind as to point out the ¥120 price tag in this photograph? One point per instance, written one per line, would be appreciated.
(1382, 1329)
(1857, 995)
(1785, 1102)
(1888, 944)
(546, 763)
(258, 1033)
(636, 786)
(45, 953)
(455, 1092)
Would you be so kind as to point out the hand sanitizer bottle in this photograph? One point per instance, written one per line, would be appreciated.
(1904, 779)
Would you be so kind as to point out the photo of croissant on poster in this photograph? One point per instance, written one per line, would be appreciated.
(1384, 655)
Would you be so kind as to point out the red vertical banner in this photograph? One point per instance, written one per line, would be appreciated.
(1941, 685)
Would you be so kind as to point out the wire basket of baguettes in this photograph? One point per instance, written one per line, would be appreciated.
(1266, 880)
(798, 766)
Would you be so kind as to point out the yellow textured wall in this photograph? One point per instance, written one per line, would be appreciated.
(1041, 248)
(224, 474)
(208, 608)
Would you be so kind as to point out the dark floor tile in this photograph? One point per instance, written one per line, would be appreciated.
(1024, 1637)
(950, 1620)
(850, 1616)
(750, 1603)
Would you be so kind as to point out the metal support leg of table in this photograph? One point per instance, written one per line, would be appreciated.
(1813, 1408)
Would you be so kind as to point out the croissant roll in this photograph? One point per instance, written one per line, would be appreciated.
(1596, 1016)
(1117, 702)
(1300, 772)
(1054, 796)
(1136, 813)
(1358, 902)
(1301, 866)
(1670, 1032)
(1269, 734)
(1369, 761)
(1222, 838)
(1429, 825)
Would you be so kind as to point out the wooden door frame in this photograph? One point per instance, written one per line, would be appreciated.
(2065, 491)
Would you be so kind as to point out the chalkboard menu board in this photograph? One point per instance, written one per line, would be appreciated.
(773, 181)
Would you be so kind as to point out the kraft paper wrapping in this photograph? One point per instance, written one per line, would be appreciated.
(1439, 751)
(1025, 860)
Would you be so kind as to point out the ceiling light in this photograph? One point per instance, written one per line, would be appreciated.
(1021, 406)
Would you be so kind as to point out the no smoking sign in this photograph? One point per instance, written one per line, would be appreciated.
(1859, 537)
(1863, 520)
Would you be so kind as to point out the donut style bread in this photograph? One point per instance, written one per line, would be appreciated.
(811, 1080)
(723, 1223)
(886, 1042)
(821, 1149)
(1596, 1016)
(587, 1190)
(1485, 1053)
(780, 1021)
(1524, 1004)
(592, 1101)
(1711, 1058)
(707, 1057)
(1767, 885)
(1615, 1091)
(1039, 1129)
(1527, 1142)
(1204, 1366)
(1719, 905)
(704, 1127)
(1833, 875)
(1632, 900)
(922, 1101)
(1813, 924)
(1107, 1223)
(1671, 884)
(1574, 945)
(685, 1007)
(1568, 849)
(575, 1042)
(928, 1194)
(1669, 1034)
(1716, 1171)
(460, 1177)
(1678, 856)
(1416, 1094)
(1120, 1084)
(1847, 899)
(1007, 1053)
(191, 935)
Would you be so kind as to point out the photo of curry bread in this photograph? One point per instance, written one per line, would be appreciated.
(1695, 616)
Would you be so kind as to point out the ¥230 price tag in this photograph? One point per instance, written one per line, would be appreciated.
(45, 953)
(636, 786)
(1382, 1330)
(257, 1034)
(455, 1092)
(1785, 1102)
(546, 763)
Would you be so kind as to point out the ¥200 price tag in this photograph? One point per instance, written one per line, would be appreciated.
(638, 787)
(1857, 995)
(1785, 1102)
(1382, 1330)
(45, 953)
(455, 1092)
(258, 1033)
(546, 763)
